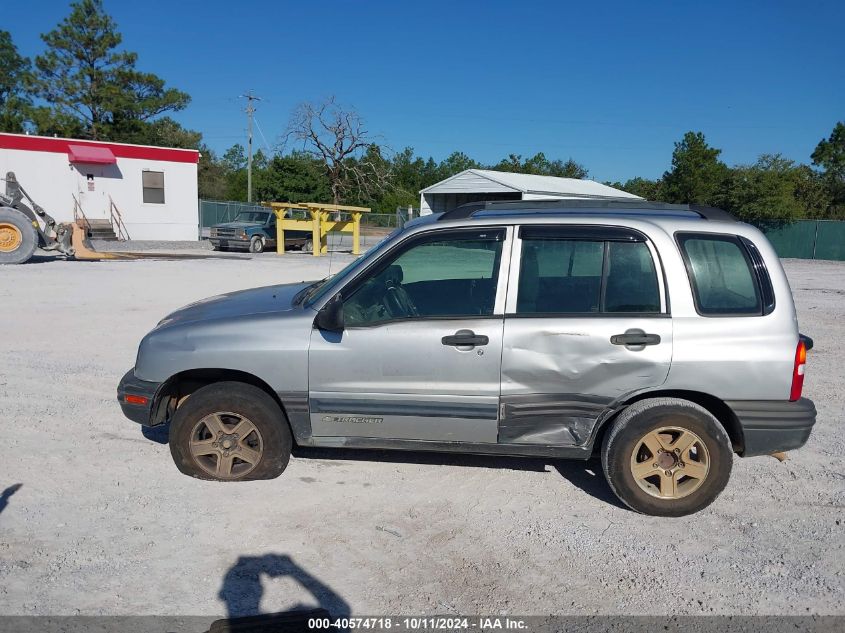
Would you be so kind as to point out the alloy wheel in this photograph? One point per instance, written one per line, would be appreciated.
(670, 462)
(226, 445)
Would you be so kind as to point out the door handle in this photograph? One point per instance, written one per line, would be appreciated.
(635, 338)
(465, 338)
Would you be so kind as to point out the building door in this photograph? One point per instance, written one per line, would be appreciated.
(420, 356)
(93, 186)
(586, 325)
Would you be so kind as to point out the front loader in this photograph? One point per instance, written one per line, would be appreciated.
(21, 230)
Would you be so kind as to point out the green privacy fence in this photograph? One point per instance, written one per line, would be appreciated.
(806, 239)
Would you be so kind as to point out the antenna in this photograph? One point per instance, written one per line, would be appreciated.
(250, 110)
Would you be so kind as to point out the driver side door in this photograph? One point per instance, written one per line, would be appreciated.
(420, 354)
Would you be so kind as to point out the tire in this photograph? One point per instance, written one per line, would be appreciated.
(256, 245)
(259, 451)
(18, 239)
(683, 482)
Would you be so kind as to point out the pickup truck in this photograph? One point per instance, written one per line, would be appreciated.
(255, 231)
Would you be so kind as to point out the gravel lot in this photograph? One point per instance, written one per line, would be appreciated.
(103, 523)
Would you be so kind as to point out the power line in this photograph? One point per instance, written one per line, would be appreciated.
(261, 132)
(250, 111)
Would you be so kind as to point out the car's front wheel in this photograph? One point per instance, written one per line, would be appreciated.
(667, 457)
(230, 431)
(256, 245)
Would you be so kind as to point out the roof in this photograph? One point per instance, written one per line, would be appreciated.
(57, 145)
(489, 181)
(569, 208)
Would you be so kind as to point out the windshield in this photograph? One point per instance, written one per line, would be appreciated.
(252, 216)
(327, 285)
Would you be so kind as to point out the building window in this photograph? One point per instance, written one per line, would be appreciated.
(153, 184)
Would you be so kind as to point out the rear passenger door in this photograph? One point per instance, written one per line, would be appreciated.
(586, 323)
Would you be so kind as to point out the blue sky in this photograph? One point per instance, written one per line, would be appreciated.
(610, 84)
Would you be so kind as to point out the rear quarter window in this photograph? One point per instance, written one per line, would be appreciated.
(721, 274)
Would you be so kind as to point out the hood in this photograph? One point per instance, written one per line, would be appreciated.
(236, 225)
(237, 304)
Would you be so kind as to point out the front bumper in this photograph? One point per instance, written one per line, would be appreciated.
(769, 426)
(229, 242)
(131, 386)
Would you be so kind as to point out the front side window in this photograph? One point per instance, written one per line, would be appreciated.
(437, 276)
(720, 271)
(584, 276)
(153, 186)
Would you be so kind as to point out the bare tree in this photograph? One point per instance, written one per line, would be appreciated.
(338, 138)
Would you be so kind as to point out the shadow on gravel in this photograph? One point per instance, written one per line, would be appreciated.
(158, 434)
(44, 259)
(586, 476)
(242, 591)
(422, 457)
(6, 494)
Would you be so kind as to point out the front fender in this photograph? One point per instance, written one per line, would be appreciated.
(273, 347)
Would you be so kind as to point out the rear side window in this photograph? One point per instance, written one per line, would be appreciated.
(560, 276)
(631, 279)
(583, 276)
(723, 281)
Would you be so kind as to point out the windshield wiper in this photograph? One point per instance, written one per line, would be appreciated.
(307, 291)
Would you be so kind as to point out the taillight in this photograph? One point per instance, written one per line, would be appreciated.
(132, 399)
(798, 371)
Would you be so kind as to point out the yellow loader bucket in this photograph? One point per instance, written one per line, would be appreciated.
(82, 248)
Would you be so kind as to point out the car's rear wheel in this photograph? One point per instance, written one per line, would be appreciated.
(667, 457)
(230, 431)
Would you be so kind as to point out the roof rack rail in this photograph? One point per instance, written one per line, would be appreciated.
(616, 206)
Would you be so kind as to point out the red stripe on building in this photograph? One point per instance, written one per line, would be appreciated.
(62, 146)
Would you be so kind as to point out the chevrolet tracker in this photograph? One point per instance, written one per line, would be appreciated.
(662, 337)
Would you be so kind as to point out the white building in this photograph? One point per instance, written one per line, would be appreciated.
(475, 185)
(153, 188)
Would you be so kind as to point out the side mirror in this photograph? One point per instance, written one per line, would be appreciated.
(330, 316)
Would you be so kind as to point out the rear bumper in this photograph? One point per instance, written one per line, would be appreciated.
(130, 385)
(769, 426)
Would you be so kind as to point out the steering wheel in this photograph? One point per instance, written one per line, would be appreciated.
(398, 301)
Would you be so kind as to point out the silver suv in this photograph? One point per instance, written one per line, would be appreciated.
(663, 337)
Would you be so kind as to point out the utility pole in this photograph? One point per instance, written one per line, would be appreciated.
(250, 110)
